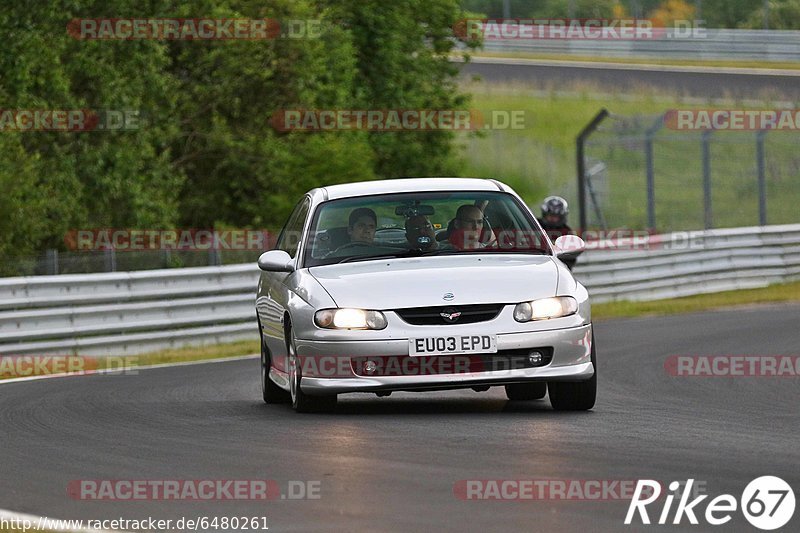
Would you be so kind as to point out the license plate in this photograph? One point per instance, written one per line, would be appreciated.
(453, 345)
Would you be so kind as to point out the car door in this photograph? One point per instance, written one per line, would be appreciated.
(274, 288)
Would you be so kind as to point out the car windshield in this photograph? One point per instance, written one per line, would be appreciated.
(421, 224)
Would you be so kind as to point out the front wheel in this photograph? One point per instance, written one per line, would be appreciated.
(575, 396)
(302, 402)
(271, 392)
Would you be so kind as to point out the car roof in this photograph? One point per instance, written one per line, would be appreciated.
(367, 188)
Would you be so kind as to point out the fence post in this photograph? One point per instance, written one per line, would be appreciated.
(580, 144)
(708, 218)
(651, 173)
(214, 256)
(110, 260)
(51, 260)
(762, 178)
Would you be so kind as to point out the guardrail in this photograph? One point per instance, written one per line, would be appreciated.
(136, 312)
(129, 312)
(713, 44)
(694, 263)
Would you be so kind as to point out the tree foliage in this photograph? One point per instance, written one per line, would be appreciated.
(672, 10)
(781, 15)
(205, 153)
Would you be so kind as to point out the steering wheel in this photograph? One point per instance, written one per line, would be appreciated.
(348, 245)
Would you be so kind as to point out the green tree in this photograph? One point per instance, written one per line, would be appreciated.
(728, 13)
(782, 15)
(205, 153)
(403, 62)
(546, 8)
(88, 178)
(239, 170)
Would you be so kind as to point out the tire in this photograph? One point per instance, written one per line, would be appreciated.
(575, 396)
(523, 392)
(271, 392)
(301, 402)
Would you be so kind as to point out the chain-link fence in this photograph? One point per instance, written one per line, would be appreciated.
(640, 174)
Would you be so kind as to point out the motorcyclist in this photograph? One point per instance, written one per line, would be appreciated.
(554, 221)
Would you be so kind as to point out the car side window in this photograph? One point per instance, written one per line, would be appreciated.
(291, 234)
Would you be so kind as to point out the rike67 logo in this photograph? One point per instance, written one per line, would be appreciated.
(767, 503)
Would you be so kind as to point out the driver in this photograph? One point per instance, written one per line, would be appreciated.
(362, 225)
(468, 229)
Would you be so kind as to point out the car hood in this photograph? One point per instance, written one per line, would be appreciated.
(424, 282)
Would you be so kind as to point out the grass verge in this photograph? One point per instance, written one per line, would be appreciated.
(781, 293)
(198, 353)
(8, 368)
(538, 159)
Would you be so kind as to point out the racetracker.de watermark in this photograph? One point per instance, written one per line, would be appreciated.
(193, 29)
(29, 365)
(545, 489)
(182, 239)
(70, 120)
(733, 366)
(389, 120)
(732, 119)
(622, 29)
(346, 366)
(192, 489)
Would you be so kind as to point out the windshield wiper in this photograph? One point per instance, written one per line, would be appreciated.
(480, 251)
(357, 258)
(432, 253)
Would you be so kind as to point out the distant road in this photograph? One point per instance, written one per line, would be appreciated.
(686, 81)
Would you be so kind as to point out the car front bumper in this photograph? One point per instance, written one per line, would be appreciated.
(571, 361)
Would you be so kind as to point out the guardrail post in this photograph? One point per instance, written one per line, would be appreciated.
(581, 159)
(762, 178)
(708, 218)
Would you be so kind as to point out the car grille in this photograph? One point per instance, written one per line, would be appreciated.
(431, 316)
(406, 365)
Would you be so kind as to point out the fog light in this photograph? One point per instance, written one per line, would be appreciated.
(370, 367)
(535, 358)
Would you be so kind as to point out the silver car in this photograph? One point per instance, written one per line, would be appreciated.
(418, 285)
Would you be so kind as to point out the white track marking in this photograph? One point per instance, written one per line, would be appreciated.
(36, 520)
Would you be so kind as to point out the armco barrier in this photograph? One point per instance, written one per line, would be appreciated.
(135, 312)
(709, 261)
(127, 312)
(713, 44)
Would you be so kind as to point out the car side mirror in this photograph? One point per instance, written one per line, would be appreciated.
(569, 246)
(275, 261)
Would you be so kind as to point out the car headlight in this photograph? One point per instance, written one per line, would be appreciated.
(546, 308)
(349, 319)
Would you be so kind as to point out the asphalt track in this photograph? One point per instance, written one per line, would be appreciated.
(390, 464)
(695, 82)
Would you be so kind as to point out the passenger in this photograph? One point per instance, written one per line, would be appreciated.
(420, 233)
